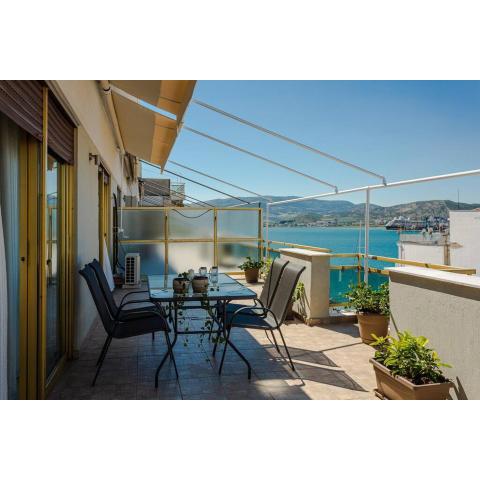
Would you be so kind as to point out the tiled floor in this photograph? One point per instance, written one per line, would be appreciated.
(331, 363)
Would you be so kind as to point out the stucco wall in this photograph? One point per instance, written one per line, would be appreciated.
(87, 232)
(422, 253)
(445, 308)
(465, 239)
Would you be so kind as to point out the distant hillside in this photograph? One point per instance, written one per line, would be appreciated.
(344, 212)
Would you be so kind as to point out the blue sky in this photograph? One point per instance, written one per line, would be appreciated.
(402, 130)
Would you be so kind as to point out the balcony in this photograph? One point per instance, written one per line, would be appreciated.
(331, 362)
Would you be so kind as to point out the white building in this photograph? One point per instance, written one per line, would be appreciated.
(459, 248)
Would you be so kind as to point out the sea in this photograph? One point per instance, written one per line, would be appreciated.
(343, 240)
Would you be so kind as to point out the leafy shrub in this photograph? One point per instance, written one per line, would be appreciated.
(410, 358)
(250, 263)
(267, 264)
(364, 299)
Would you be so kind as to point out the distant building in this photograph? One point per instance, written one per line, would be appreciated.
(459, 246)
(161, 192)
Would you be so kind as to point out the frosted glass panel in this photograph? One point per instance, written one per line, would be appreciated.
(183, 256)
(148, 224)
(231, 255)
(190, 224)
(237, 223)
(152, 257)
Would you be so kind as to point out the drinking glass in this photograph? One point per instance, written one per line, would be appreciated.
(203, 271)
(214, 276)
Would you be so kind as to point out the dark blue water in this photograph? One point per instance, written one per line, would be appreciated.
(342, 240)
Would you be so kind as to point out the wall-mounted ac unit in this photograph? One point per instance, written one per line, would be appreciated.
(132, 270)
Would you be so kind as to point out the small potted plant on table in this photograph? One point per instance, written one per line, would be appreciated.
(181, 283)
(406, 369)
(372, 308)
(251, 268)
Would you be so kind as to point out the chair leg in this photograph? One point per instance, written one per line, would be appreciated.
(224, 351)
(274, 339)
(286, 348)
(102, 352)
(102, 358)
(153, 336)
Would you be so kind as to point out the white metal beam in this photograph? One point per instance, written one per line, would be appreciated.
(287, 139)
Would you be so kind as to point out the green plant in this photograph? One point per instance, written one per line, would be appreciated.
(364, 299)
(183, 275)
(267, 264)
(249, 263)
(410, 358)
(299, 292)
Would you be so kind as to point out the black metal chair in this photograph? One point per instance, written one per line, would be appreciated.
(125, 323)
(266, 295)
(267, 318)
(111, 303)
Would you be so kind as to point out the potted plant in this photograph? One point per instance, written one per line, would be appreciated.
(251, 268)
(372, 308)
(181, 283)
(406, 369)
(200, 283)
(298, 296)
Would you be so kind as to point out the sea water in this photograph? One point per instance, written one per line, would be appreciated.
(343, 240)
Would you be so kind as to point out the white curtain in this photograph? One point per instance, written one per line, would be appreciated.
(3, 316)
(107, 268)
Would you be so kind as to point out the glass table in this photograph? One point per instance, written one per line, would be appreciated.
(215, 300)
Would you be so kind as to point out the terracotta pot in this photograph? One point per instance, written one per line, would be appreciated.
(251, 275)
(399, 388)
(180, 285)
(369, 323)
(200, 284)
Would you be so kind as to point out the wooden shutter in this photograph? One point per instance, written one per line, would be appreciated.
(61, 131)
(22, 102)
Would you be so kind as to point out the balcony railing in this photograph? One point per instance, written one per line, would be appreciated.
(342, 275)
(174, 239)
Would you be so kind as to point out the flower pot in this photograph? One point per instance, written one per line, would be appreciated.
(369, 323)
(200, 284)
(180, 285)
(399, 388)
(251, 275)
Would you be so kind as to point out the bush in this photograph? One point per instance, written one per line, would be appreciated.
(250, 263)
(364, 299)
(410, 358)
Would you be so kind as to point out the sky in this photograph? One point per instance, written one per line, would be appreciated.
(402, 130)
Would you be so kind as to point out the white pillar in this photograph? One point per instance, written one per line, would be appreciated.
(367, 234)
(267, 221)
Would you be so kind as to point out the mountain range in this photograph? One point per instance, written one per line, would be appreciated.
(343, 212)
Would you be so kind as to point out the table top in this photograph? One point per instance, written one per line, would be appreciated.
(161, 290)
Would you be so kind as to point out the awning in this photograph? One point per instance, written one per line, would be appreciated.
(169, 95)
(146, 134)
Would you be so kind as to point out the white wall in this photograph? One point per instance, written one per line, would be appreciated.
(421, 253)
(445, 308)
(87, 232)
(465, 239)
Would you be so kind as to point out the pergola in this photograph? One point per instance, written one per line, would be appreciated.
(162, 121)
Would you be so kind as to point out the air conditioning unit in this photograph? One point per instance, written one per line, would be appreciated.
(132, 270)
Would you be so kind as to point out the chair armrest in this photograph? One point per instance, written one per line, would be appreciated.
(265, 311)
(132, 293)
(120, 310)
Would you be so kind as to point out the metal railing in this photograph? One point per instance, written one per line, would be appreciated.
(359, 262)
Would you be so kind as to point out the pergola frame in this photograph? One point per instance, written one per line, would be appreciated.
(367, 189)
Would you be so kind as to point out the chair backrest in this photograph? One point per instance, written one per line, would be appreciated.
(103, 282)
(286, 287)
(271, 282)
(88, 274)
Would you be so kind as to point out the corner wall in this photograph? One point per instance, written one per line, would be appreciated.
(445, 308)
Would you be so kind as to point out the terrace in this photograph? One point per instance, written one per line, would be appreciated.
(330, 361)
